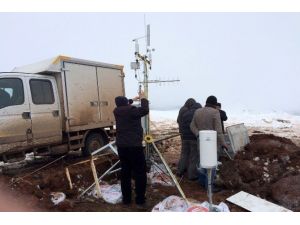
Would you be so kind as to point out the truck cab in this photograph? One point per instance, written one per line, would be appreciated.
(29, 112)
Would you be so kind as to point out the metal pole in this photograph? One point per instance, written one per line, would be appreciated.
(20, 178)
(170, 172)
(209, 189)
(146, 118)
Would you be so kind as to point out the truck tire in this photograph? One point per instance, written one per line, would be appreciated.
(93, 142)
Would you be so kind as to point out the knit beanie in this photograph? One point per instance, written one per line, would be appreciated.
(121, 101)
(212, 100)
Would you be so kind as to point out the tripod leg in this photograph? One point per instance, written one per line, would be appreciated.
(227, 153)
(170, 172)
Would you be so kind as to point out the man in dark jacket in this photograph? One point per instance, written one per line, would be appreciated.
(187, 105)
(189, 158)
(129, 139)
(222, 115)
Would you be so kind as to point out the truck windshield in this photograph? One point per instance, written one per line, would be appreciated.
(11, 92)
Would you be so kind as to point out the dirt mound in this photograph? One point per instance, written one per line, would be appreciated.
(266, 161)
(270, 136)
(287, 192)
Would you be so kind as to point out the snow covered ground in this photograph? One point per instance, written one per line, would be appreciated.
(281, 124)
(274, 120)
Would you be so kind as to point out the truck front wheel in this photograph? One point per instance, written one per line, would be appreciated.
(93, 142)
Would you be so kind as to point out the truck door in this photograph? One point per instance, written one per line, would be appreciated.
(110, 84)
(82, 94)
(15, 122)
(45, 111)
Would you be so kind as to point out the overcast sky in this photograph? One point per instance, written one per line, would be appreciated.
(247, 60)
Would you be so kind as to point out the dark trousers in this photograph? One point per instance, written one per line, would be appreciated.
(203, 177)
(189, 159)
(133, 165)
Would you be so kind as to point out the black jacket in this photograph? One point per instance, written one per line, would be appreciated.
(223, 118)
(187, 105)
(128, 124)
(182, 110)
(187, 117)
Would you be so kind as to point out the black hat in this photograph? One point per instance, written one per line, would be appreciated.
(121, 101)
(212, 100)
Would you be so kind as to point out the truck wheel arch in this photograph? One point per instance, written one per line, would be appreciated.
(94, 132)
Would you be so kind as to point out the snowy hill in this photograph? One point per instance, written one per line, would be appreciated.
(281, 124)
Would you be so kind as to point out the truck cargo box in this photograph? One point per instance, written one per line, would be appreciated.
(86, 89)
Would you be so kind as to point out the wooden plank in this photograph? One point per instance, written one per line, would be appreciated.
(95, 177)
(69, 178)
(255, 204)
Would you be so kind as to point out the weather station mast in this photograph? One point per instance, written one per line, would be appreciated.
(150, 146)
(146, 60)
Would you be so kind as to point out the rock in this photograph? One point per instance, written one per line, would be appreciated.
(266, 175)
(291, 168)
(284, 159)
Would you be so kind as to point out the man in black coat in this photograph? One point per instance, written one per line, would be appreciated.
(187, 105)
(129, 138)
(189, 158)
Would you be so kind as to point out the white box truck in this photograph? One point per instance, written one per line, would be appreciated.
(58, 105)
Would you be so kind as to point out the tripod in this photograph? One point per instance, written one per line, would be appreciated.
(151, 156)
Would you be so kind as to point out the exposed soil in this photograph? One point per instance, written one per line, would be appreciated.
(268, 167)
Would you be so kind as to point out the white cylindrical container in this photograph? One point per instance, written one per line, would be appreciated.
(208, 149)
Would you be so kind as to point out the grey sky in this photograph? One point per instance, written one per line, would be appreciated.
(248, 60)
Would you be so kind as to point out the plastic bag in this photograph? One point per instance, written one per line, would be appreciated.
(171, 204)
(222, 207)
(157, 176)
(57, 197)
(110, 193)
(197, 208)
(177, 204)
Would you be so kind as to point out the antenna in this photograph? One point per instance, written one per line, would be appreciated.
(159, 81)
(146, 60)
(137, 47)
(148, 35)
